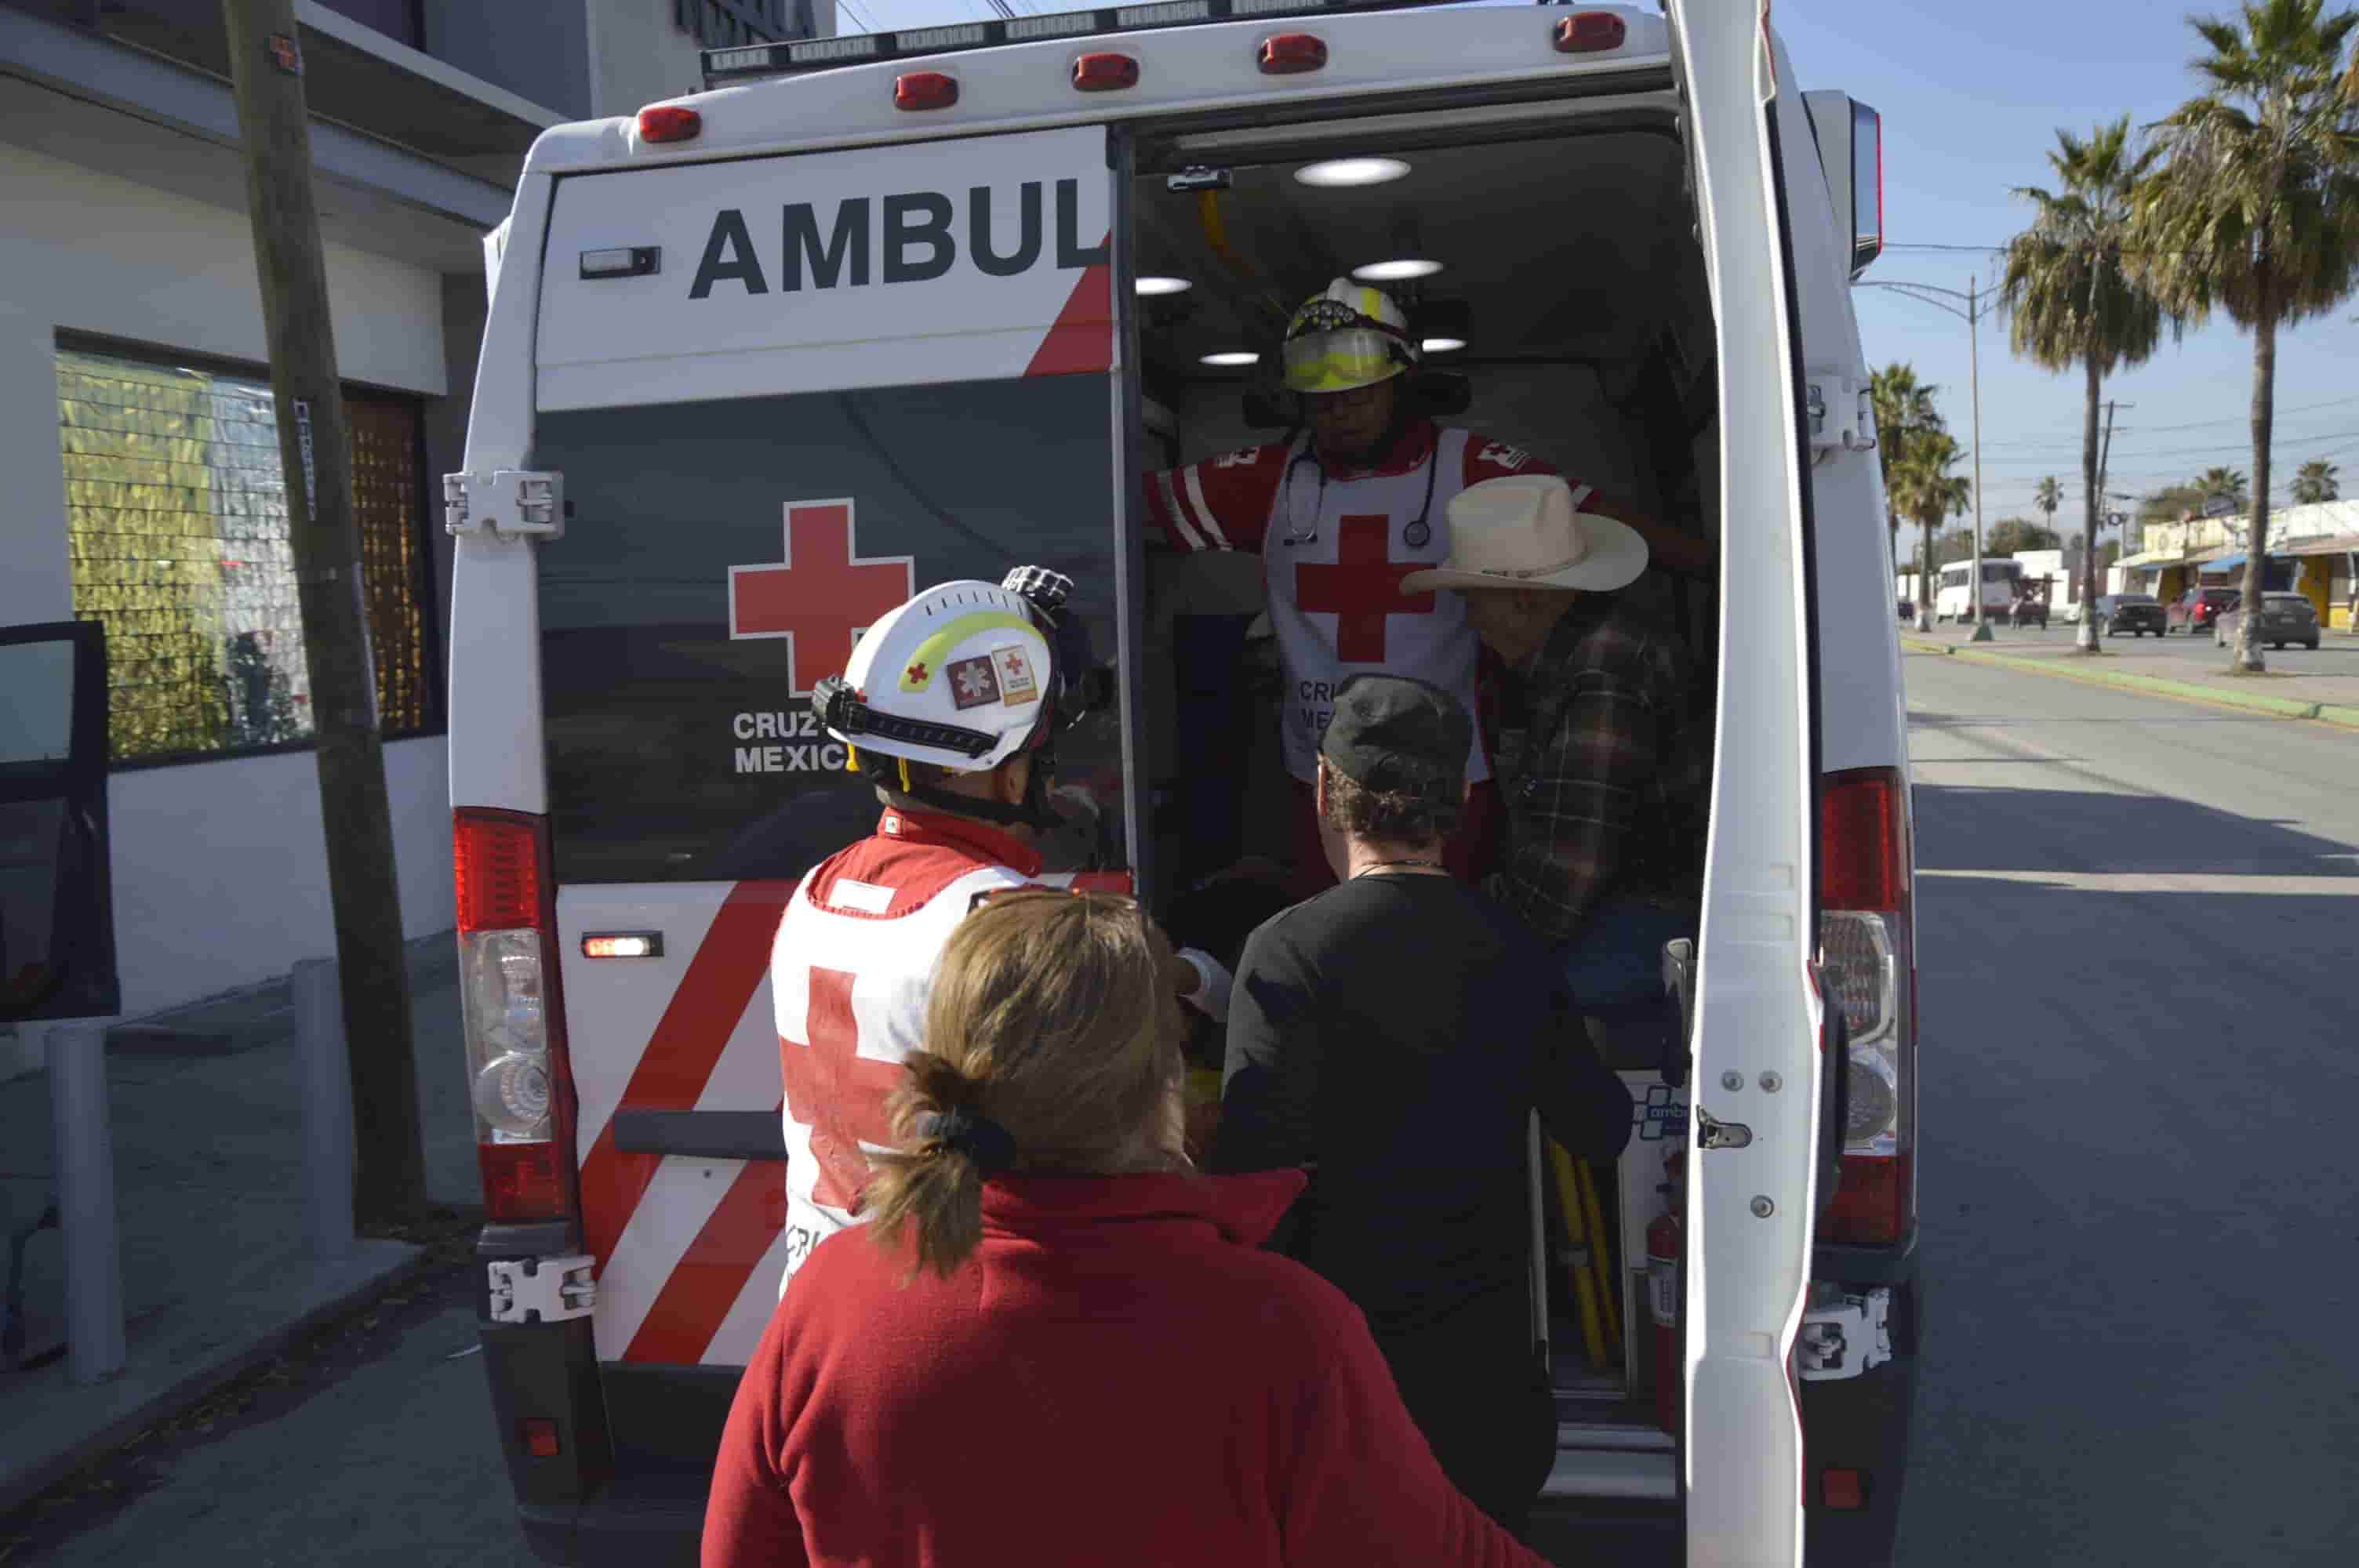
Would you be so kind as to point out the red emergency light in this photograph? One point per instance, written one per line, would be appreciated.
(669, 122)
(919, 90)
(1590, 32)
(1289, 54)
(1105, 73)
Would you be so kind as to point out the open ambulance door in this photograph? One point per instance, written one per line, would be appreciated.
(1752, 1156)
(777, 395)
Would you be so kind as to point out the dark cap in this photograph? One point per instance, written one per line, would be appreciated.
(1399, 735)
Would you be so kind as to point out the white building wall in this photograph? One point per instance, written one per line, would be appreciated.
(219, 867)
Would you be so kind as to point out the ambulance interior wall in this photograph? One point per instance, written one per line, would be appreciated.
(220, 875)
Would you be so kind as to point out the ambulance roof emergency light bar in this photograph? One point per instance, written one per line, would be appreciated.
(750, 61)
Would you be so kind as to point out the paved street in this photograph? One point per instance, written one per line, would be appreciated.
(2138, 1200)
(2137, 956)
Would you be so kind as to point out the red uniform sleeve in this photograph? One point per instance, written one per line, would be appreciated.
(1487, 458)
(1365, 1488)
(1221, 504)
(748, 1516)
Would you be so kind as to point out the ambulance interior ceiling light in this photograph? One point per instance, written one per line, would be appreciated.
(1400, 270)
(1234, 357)
(1150, 287)
(1443, 345)
(1344, 171)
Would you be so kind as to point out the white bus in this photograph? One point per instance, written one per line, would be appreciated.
(886, 311)
(2001, 579)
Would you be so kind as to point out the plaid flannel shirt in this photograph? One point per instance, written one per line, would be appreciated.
(1605, 780)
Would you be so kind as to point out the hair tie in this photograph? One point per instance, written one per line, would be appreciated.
(991, 1146)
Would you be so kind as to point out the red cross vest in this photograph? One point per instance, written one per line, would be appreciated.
(851, 972)
(1334, 548)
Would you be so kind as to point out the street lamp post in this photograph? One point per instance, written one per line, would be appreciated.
(1976, 307)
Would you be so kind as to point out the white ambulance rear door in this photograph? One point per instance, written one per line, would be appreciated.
(1751, 1159)
(785, 393)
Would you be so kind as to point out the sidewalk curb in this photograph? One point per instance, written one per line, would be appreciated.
(187, 1374)
(2156, 686)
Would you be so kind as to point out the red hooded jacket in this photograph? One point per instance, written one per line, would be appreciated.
(1118, 1376)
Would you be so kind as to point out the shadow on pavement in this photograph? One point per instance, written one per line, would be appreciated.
(1966, 828)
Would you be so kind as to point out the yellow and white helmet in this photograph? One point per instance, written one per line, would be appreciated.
(1351, 335)
(961, 677)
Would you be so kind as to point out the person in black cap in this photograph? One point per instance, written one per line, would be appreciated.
(1394, 1035)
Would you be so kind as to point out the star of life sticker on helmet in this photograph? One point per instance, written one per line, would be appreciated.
(974, 682)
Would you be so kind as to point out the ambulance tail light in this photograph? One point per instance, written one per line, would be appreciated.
(518, 1083)
(1867, 958)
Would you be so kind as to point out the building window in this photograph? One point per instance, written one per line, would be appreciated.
(400, 20)
(176, 521)
(726, 24)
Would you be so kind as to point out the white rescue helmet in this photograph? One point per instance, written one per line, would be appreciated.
(961, 677)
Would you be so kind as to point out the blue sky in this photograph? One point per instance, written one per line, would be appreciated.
(1971, 93)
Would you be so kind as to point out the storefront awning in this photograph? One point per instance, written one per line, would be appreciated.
(2222, 563)
(2333, 545)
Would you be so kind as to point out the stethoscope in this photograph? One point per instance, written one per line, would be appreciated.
(1416, 535)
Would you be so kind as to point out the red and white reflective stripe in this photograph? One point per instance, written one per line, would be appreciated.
(690, 1250)
(1082, 337)
(1204, 518)
(1168, 494)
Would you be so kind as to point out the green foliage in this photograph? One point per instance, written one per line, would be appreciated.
(2316, 482)
(2070, 299)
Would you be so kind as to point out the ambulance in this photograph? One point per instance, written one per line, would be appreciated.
(874, 312)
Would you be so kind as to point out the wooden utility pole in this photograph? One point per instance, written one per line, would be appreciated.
(315, 454)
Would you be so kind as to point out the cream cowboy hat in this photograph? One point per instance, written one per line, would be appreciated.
(1523, 532)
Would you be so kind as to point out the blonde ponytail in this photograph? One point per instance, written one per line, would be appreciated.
(1052, 1042)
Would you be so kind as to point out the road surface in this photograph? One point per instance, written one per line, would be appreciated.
(2140, 1199)
(2141, 968)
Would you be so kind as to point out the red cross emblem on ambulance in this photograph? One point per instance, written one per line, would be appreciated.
(822, 596)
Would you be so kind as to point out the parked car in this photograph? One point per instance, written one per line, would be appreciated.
(2285, 618)
(2136, 614)
(1907, 610)
(2195, 609)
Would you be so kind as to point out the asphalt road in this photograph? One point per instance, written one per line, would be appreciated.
(2140, 1201)
(2141, 968)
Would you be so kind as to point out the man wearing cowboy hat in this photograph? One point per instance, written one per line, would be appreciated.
(1601, 770)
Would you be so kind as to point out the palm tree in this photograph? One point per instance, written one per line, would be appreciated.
(1924, 489)
(2316, 481)
(2048, 498)
(2223, 481)
(2256, 211)
(2070, 300)
(1903, 409)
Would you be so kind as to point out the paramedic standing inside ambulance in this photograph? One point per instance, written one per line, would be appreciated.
(1341, 515)
(950, 708)
(1603, 774)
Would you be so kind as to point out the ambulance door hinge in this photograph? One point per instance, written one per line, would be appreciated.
(1842, 414)
(508, 504)
(1844, 1338)
(542, 1290)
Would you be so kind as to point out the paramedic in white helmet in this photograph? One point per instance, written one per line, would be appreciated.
(950, 709)
(1340, 513)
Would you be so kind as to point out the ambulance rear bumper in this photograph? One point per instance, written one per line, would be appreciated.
(656, 1522)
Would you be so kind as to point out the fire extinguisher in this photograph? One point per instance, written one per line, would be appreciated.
(1663, 1293)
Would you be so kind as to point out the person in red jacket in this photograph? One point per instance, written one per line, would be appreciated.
(1055, 1344)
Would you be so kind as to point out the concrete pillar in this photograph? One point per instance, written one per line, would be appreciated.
(325, 1081)
(86, 1219)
